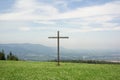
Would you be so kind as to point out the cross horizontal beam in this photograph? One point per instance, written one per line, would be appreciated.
(58, 37)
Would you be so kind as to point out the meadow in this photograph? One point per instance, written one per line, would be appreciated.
(29, 70)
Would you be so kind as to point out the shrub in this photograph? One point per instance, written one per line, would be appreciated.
(2, 55)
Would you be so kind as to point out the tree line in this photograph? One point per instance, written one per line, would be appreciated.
(10, 56)
(87, 61)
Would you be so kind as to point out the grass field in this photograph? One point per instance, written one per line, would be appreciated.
(25, 70)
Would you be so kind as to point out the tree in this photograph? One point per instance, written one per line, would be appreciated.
(2, 55)
(10, 56)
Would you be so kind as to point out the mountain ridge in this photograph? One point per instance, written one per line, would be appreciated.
(28, 51)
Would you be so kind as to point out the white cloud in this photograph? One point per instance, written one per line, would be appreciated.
(45, 22)
(89, 29)
(48, 14)
(102, 10)
(24, 28)
(31, 9)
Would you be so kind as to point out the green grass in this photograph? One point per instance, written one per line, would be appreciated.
(26, 70)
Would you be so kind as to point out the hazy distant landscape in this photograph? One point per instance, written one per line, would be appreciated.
(38, 52)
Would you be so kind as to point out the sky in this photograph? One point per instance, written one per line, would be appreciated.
(90, 24)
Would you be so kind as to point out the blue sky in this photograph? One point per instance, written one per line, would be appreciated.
(90, 24)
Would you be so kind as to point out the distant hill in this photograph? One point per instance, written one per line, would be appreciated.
(40, 52)
(29, 51)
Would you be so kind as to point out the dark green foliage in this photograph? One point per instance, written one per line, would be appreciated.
(88, 61)
(10, 56)
(2, 55)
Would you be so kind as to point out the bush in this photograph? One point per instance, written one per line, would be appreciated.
(10, 56)
(2, 55)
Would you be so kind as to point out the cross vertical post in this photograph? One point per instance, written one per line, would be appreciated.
(58, 46)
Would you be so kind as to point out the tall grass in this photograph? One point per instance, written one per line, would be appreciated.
(25, 70)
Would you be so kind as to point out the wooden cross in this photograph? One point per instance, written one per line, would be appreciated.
(58, 45)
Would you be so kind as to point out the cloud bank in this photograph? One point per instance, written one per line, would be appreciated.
(81, 19)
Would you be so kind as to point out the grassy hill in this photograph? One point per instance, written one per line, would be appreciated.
(25, 70)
